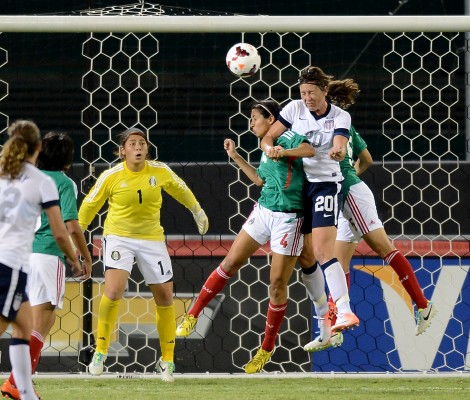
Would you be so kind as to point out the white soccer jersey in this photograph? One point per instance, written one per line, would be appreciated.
(320, 133)
(21, 202)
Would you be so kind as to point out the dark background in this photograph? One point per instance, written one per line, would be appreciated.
(45, 73)
(46, 76)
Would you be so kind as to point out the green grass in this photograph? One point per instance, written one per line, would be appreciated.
(272, 388)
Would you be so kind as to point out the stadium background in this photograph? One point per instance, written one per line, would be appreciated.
(45, 75)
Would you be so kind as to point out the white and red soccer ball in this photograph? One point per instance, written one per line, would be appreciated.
(243, 60)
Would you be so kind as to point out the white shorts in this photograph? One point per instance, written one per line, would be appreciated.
(361, 212)
(344, 233)
(282, 229)
(46, 281)
(151, 256)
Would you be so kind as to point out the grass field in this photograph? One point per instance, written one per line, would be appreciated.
(276, 387)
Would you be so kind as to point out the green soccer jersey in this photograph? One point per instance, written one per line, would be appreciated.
(355, 146)
(44, 242)
(284, 179)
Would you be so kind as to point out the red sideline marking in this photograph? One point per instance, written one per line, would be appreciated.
(220, 248)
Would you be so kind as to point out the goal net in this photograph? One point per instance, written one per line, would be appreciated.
(175, 86)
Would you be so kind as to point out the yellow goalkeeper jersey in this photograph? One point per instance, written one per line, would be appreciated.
(134, 200)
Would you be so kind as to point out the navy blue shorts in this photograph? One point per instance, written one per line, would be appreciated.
(322, 202)
(12, 291)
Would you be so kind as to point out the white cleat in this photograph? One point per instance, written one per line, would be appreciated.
(424, 317)
(318, 344)
(166, 368)
(97, 364)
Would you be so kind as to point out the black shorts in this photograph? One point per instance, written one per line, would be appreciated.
(323, 202)
(12, 291)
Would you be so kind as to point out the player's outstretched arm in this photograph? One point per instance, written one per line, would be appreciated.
(303, 150)
(248, 170)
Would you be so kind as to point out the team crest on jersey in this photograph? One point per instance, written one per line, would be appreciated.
(153, 181)
(329, 124)
(115, 255)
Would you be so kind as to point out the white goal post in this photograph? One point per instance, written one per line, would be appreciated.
(236, 23)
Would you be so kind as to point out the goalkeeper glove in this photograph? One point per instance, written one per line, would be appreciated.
(201, 219)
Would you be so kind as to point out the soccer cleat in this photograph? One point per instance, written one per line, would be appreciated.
(345, 321)
(10, 391)
(166, 368)
(424, 317)
(332, 307)
(324, 323)
(258, 362)
(97, 364)
(336, 340)
(187, 325)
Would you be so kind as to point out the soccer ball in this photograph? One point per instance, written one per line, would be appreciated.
(243, 60)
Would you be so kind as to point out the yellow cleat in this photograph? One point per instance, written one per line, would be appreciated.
(187, 325)
(258, 362)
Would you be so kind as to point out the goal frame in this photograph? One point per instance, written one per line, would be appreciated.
(233, 24)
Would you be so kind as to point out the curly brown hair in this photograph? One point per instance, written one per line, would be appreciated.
(24, 140)
(315, 76)
(343, 93)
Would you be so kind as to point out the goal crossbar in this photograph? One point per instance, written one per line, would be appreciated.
(232, 24)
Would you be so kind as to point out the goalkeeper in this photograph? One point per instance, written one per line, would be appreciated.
(132, 231)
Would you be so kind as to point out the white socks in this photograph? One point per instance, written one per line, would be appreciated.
(21, 368)
(315, 285)
(338, 286)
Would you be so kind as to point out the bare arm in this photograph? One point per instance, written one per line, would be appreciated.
(338, 150)
(303, 150)
(61, 236)
(276, 130)
(248, 170)
(364, 161)
(78, 239)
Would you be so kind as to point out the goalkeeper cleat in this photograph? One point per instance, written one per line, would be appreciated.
(336, 340)
(258, 361)
(187, 325)
(345, 321)
(97, 364)
(10, 391)
(166, 368)
(424, 317)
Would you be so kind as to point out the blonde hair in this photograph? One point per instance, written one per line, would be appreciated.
(343, 93)
(24, 140)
